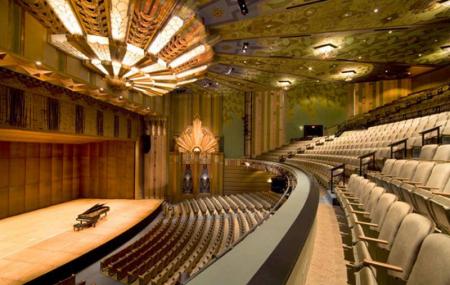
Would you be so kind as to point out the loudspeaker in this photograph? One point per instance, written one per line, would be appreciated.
(146, 143)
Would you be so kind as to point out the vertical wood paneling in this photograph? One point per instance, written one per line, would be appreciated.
(4, 179)
(45, 174)
(17, 178)
(32, 177)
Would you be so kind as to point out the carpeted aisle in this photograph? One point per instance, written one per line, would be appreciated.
(327, 263)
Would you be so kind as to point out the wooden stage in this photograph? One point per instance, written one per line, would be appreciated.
(40, 241)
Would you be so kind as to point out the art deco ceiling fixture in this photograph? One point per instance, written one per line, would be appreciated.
(151, 46)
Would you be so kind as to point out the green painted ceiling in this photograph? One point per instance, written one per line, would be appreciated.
(378, 39)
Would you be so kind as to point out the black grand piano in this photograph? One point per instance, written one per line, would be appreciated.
(90, 217)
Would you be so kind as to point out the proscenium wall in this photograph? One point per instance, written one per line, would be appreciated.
(195, 102)
(321, 103)
(37, 175)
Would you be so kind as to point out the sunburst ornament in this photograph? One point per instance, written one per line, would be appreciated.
(197, 139)
(151, 46)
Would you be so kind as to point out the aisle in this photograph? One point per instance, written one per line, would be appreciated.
(327, 263)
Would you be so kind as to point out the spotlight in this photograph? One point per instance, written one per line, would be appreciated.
(244, 47)
(243, 7)
(38, 63)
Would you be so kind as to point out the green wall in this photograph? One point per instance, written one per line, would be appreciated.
(233, 126)
(325, 104)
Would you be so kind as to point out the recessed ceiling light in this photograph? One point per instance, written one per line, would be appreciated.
(120, 97)
(102, 89)
(38, 62)
(310, 68)
(386, 71)
(420, 54)
(325, 48)
(409, 73)
(446, 48)
(376, 10)
(349, 72)
(284, 82)
(390, 32)
(359, 57)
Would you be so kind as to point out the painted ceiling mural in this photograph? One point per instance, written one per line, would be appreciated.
(288, 43)
(268, 44)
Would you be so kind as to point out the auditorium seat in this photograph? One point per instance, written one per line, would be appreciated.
(402, 255)
(430, 267)
(188, 236)
(436, 181)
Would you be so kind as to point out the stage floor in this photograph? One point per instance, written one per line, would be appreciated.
(37, 242)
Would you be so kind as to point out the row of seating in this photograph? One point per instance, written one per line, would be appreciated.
(187, 236)
(414, 105)
(424, 184)
(389, 244)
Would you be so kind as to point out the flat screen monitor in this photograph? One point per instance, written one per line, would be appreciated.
(313, 130)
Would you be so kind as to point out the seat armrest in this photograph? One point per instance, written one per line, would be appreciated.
(373, 239)
(440, 193)
(360, 212)
(382, 264)
(428, 187)
(356, 204)
(412, 182)
(366, 224)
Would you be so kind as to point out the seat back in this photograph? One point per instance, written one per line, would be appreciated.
(413, 230)
(379, 212)
(433, 262)
(394, 217)
(442, 153)
(397, 167)
(439, 176)
(375, 195)
(387, 167)
(365, 191)
(423, 171)
(408, 169)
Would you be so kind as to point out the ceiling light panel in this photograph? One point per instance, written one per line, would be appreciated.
(66, 15)
(188, 56)
(187, 81)
(100, 46)
(60, 41)
(131, 72)
(116, 67)
(161, 40)
(153, 68)
(133, 55)
(159, 90)
(192, 71)
(99, 66)
(164, 77)
(163, 84)
(119, 19)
